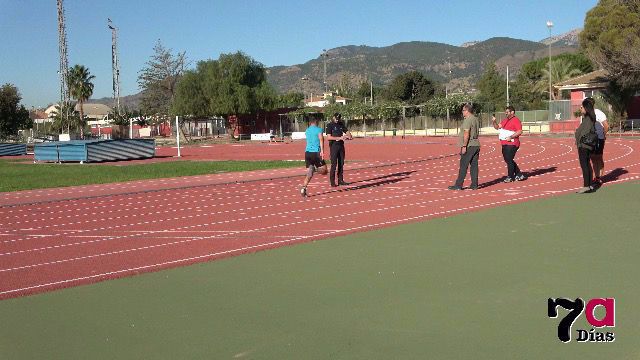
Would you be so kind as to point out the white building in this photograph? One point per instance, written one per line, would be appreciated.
(322, 101)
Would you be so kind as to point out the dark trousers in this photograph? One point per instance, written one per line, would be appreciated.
(584, 155)
(469, 158)
(337, 159)
(509, 153)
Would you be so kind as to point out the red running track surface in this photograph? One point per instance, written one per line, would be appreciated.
(56, 238)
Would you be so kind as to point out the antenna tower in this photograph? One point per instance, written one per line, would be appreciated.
(115, 66)
(64, 63)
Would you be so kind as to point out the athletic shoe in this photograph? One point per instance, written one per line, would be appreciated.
(508, 180)
(473, 187)
(455, 187)
(343, 183)
(521, 177)
(303, 191)
(584, 190)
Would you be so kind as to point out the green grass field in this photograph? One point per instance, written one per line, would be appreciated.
(24, 176)
(472, 286)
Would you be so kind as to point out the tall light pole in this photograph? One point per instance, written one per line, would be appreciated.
(115, 66)
(304, 88)
(324, 62)
(549, 26)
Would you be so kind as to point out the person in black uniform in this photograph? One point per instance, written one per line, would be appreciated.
(336, 134)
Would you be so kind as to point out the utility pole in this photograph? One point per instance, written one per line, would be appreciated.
(115, 67)
(63, 65)
(371, 83)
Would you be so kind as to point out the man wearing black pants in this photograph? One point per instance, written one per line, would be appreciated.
(469, 148)
(336, 134)
(510, 131)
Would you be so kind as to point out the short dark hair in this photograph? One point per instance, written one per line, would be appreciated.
(337, 116)
(510, 108)
(313, 120)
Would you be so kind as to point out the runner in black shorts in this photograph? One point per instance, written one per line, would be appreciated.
(313, 154)
(313, 159)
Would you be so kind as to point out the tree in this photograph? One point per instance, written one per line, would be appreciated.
(159, 78)
(235, 84)
(411, 87)
(493, 88)
(611, 39)
(81, 89)
(62, 122)
(525, 94)
(559, 70)
(13, 116)
(364, 92)
(288, 100)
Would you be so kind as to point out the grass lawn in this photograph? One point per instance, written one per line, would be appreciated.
(472, 286)
(21, 176)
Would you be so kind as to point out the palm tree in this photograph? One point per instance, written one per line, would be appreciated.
(561, 70)
(81, 89)
(64, 116)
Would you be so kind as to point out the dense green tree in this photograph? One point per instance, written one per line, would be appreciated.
(289, 100)
(159, 78)
(81, 89)
(493, 88)
(525, 93)
(234, 84)
(190, 98)
(611, 39)
(411, 87)
(13, 116)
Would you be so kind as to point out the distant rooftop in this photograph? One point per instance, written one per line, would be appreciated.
(593, 80)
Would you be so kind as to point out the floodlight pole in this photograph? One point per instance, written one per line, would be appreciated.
(508, 85)
(549, 26)
(324, 61)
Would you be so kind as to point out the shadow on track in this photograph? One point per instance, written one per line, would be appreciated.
(528, 174)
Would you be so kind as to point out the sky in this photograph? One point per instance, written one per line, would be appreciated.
(283, 32)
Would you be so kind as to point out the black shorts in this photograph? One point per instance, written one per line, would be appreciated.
(599, 149)
(313, 158)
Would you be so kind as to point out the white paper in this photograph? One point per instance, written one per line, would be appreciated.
(503, 134)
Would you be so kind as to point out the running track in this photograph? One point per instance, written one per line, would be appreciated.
(56, 238)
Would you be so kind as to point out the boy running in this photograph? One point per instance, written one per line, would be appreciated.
(314, 153)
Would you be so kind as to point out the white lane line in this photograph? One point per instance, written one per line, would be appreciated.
(242, 249)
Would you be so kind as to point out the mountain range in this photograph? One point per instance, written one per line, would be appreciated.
(458, 66)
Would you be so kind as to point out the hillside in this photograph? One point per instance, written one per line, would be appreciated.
(356, 64)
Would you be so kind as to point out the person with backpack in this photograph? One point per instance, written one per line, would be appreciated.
(586, 142)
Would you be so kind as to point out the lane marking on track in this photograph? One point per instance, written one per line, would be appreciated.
(226, 252)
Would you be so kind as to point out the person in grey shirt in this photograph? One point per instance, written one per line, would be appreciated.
(469, 148)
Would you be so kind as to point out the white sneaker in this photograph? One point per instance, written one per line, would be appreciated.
(584, 190)
(303, 191)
